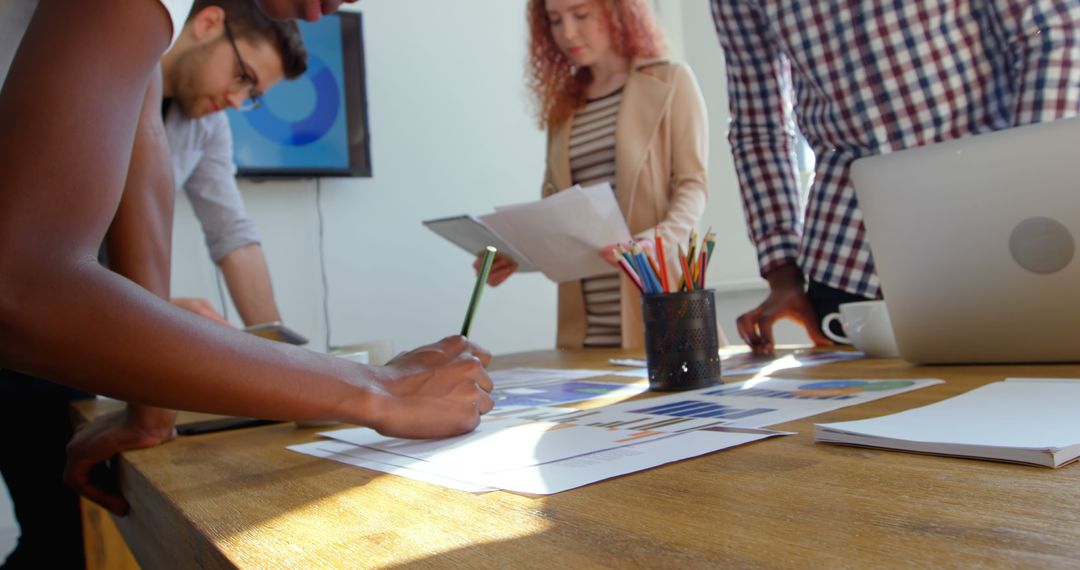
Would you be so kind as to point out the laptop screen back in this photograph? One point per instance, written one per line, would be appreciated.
(975, 243)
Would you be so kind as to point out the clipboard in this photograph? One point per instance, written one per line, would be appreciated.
(560, 236)
(472, 235)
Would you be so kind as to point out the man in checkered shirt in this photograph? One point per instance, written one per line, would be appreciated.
(860, 78)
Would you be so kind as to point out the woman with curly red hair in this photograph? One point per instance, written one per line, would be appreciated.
(617, 111)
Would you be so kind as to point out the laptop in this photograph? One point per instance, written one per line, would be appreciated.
(975, 242)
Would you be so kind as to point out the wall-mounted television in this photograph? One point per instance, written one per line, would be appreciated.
(316, 124)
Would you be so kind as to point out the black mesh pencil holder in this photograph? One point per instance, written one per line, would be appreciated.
(681, 344)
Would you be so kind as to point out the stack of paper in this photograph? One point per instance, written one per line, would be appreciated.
(1031, 421)
(560, 235)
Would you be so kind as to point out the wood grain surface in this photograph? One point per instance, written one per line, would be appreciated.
(241, 499)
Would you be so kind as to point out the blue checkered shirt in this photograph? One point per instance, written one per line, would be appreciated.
(866, 77)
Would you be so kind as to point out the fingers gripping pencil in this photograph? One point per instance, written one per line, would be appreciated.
(481, 279)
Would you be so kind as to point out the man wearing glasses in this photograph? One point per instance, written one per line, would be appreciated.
(227, 55)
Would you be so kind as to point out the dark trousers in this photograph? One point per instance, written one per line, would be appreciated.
(36, 425)
(827, 300)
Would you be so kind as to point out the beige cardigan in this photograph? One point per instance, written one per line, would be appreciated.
(661, 152)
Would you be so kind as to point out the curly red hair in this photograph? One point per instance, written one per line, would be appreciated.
(559, 88)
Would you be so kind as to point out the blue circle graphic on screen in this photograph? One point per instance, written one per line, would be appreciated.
(312, 127)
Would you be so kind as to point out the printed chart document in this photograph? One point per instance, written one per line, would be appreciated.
(517, 377)
(1026, 420)
(767, 401)
(560, 235)
(565, 393)
(552, 386)
(538, 450)
(543, 450)
(544, 478)
(361, 457)
(742, 362)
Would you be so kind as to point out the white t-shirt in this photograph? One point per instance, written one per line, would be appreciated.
(15, 17)
(178, 13)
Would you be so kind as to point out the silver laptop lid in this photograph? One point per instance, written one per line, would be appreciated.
(975, 243)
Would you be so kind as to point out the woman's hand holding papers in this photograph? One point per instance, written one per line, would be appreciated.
(98, 441)
(611, 253)
(437, 390)
(501, 269)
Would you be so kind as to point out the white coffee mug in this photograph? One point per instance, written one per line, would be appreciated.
(378, 351)
(867, 326)
(360, 356)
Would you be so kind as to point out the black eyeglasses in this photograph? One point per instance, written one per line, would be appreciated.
(254, 98)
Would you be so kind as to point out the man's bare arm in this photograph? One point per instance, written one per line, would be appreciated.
(139, 241)
(69, 111)
(248, 279)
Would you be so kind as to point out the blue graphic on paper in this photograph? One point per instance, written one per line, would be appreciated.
(553, 394)
(700, 409)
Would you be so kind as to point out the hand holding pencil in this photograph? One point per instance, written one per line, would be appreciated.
(501, 269)
(481, 278)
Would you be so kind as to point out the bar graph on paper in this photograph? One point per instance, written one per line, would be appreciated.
(700, 409)
(752, 404)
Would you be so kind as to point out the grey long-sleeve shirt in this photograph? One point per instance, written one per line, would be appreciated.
(202, 156)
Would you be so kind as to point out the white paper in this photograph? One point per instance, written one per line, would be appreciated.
(743, 363)
(563, 234)
(352, 455)
(568, 392)
(547, 478)
(502, 444)
(1073, 380)
(568, 474)
(550, 449)
(515, 377)
(769, 401)
(1025, 414)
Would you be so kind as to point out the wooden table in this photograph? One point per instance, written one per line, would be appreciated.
(241, 499)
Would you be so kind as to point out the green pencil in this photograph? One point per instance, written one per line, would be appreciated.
(481, 279)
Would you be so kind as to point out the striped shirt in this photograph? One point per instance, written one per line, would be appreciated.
(592, 161)
(867, 77)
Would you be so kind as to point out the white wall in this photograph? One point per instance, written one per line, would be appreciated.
(452, 132)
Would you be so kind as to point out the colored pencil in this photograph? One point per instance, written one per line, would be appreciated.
(634, 267)
(629, 271)
(687, 280)
(652, 283)
(653, 266)
(481, 279)
(710, 243)
(662, 261)
(701, 269)
(691, 258)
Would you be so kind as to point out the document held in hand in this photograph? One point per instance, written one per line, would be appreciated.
(560, 236)
(1031, 421)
